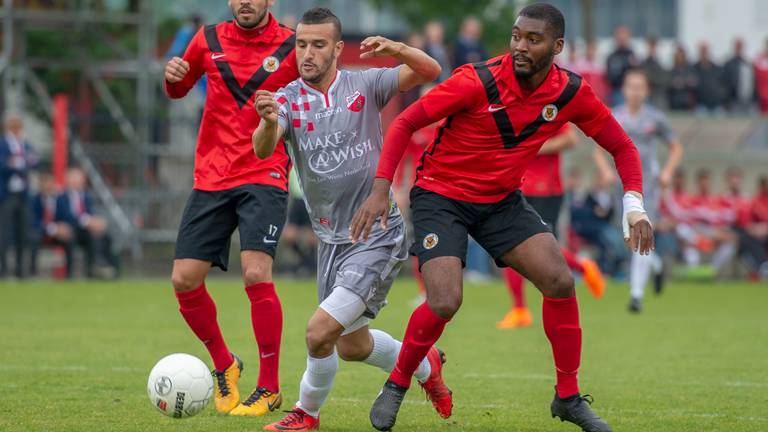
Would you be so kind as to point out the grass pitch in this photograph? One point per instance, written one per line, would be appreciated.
(75, 357)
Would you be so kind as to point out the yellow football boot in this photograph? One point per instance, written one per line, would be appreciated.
(227, 396)
(259, 403)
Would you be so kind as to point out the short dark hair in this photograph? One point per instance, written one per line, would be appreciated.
(547, 13)
(703, 173)
(320, 15)
(636, 71)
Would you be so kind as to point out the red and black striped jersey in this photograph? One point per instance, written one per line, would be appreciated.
(237, 62)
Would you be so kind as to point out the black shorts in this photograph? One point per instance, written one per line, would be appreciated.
(548, 207)
(297, 213)
(211, 217)
(441, 225)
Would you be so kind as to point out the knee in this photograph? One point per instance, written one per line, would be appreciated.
(560, 285)
(447, 304)
(352, 352)
(257, 272)
(184, 283)
(319, 342)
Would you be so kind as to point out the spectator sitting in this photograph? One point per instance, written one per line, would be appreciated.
(49, 226)
(17, 159)
(753, 246)
(469, 46)
(90, 230)
(682, 83)
(740, 81)
(710, 88)
(761, 79)
(618, 62)
(711, 224)
(592, 220)
(658, 77)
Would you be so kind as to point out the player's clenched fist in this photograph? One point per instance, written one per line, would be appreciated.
(266, 106)
(176, 70)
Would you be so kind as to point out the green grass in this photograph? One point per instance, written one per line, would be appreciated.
(75, 357)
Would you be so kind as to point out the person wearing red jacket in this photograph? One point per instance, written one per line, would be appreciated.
(497, 115)
(233, 189)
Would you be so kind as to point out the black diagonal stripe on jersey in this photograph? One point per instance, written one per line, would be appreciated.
(243, 94)
(503, 124)
(431, 151)
(501, 117)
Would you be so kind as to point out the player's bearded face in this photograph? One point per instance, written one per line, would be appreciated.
(250, 13)
(316, 51)
(532, 46)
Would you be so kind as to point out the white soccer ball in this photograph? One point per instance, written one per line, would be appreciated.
(180, 385)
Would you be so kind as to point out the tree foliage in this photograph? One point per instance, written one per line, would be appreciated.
(497, 16)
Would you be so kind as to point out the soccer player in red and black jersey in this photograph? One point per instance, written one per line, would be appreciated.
(233, 189)
(543, 189)
(497, 116)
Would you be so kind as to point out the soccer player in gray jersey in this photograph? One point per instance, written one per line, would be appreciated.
(647, 126)
(331, 121)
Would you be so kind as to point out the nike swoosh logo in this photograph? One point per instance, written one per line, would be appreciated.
(272, 406)
(268, 355)
(215, 56)
(268, 241)
(494, 108)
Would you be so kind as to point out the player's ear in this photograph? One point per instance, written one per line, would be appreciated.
(559, 43)
(339, 48)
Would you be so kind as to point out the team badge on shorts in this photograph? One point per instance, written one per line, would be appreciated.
(271, 64)
(549, 112)
(430, 241)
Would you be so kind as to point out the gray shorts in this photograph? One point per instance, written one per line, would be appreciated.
(367, 269)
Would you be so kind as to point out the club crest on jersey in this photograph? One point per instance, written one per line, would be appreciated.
(355, 102)
(271, 64)
(549, 112)
(430, 241)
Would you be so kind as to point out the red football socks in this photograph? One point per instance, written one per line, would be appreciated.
(515, 284)
(199, 311)
(561, 325)
(572, 260)
(424, 329)
(267, 320)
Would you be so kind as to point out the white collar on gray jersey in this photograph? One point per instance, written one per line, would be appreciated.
(327, 98)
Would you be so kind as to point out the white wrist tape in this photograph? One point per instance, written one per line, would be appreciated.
(633, 212)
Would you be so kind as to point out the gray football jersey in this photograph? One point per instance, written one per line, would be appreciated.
(335, 140)
(646, 128)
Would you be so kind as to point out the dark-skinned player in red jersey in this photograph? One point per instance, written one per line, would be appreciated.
(233, 189)
(497, 115)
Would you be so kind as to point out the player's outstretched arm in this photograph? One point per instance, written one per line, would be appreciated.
(418, 68)
(269, 131)
(638, 232)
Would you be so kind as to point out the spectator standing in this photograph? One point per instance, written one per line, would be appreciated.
(592, 70)
(682, 83)
(739, 80)
(710, 88)
(434, 33)
(17, 159)
(618, 62)
(658, 77)
(761, 79)
(469, 45)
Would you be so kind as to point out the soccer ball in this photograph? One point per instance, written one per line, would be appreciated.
(180, 385)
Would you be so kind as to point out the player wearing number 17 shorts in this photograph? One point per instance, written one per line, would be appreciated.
(498, 114)
(331, 121)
